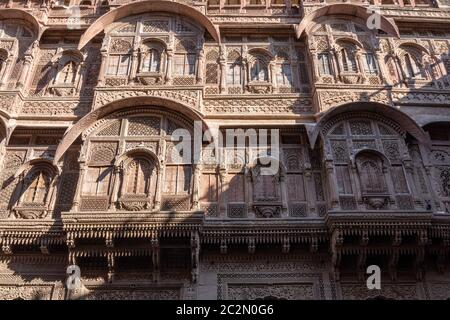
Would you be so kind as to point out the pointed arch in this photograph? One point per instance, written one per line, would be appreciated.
(135, 8)
(345, 9)
(405, 121)
(9, 13)
(148, 101)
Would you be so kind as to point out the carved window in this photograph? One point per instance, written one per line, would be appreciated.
(370, 64)
(209, 188)
(37, 186)
(118, 65)
(97, 181)
(348, 60)
(138, 175)
(324, 64)
(234, 73)
(177, 180)
(185, 64)
(266, 187)
(236, 188)
(284, 74)
(413, 68)
(152, 61)
(259, 70)
(68, 73)
(371, 174)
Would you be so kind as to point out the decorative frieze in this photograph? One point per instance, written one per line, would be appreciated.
(55, 108)
(259, 106)
(331, 98)
(188, 97)
(421, 97)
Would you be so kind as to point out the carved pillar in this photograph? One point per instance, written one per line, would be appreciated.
(222, 192)
(200, 65)
(316, 73)
(223, 73)
(81, 72)
(400, 70)
(111, 265)
(360, 62)
(310, 197)
(382, 67)
(273, 74)
(196, 187)
(170, 55)
(409, 170)
(101, 74)
(335, 64)
(134, 66)
(25, 71)
(4, 72)
(356, 185)
(118, 170)
(53, 191)
(155, 256)
(248, 192)
(244, 76)
(284, 197)
(334, 195)
(78, 191)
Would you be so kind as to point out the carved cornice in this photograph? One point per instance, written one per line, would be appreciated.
(435, 97)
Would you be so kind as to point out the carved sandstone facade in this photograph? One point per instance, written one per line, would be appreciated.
(94, 93)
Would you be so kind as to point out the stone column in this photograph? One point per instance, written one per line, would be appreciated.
(223, 71)
(222, 198)
(316, 62)
(170, 55)
(101, 74)
(334, 59)
(332, 185)
(360, 63)
(409, 177)
(381, 67)
(134, 66)
(3, 73)
(25, 71)
(200, 66)
(273, 75)
(160, 184)
(78, 190)
(81, 72)
(115, 191)
(196, 186)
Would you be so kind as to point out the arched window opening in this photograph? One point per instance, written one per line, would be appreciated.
(37, 186)
(371, 174)
(370, 64)
(118, 65)
(185, 64)
(152, 61)
(348, 60)
(284, 74)
(259, 71)
(138, 175)
(413, 67)
(234, 73)
(68, 73)
(324, 64)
